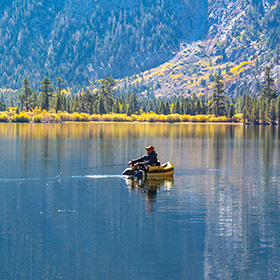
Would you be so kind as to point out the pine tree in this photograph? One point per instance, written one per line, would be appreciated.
(116, 107)
(106, 92)
(74, 105)
(255, 112)
(2, 106)
(59, 81)
(263, 109)
(161, 108)
(46, 92)
(231, 111)
(33, 99)
(177, 107)
(58, 103)
(133, 106)
(88, 100)
(100, 106)
(268, 88)
(26, 94)
(218, 100)
(248, 108)
(272, 112)
(198, 107)
(2, 103)
(278, 109)
(21, 98)
(167, 109)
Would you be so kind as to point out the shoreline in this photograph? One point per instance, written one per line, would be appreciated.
(137, 122)
(151, 117)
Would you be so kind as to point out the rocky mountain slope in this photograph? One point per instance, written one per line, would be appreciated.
(163, 48)
(242, 39)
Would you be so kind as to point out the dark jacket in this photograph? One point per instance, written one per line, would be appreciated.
(147, 159)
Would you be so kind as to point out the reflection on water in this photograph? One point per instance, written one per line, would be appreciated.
(67, 213)
(150, 187)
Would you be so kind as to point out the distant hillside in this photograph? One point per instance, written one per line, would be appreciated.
(82, 40)
(153, 48)
(242, 39)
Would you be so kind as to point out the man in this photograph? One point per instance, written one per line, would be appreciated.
(150, 158)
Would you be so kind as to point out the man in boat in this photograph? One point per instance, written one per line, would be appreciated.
(150, 158)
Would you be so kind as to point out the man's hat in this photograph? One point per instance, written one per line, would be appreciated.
(150, 148)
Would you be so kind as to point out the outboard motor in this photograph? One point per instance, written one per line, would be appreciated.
(134, 172)
(140, 174)
(128, 172)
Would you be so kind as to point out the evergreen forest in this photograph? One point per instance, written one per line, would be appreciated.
(127, 57)
(263, 109)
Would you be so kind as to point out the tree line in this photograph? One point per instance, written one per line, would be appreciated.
(263, 109)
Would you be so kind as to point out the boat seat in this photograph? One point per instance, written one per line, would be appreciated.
(158, 167)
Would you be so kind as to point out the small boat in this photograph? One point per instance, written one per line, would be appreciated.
(164, 170)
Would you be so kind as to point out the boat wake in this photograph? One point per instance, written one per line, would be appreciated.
(58, 177)
(27, 179)
(97, 176)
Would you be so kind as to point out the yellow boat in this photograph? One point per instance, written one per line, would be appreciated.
(164, 170)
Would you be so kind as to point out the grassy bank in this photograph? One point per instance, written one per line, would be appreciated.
(54, 117)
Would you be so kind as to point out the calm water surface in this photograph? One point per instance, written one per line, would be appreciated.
(66, 213)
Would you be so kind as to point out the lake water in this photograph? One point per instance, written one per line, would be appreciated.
(66, 213)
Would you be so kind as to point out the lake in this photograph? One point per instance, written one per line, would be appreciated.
(66, 213)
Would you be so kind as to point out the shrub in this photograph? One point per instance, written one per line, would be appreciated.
(119, 117)
(161, 118)
(38, 118)
(140, 119)
(202, 118)
(193, 119)
(95, 117)
(36, 111)
(237, 118)
(220, 119)
(151, 117)
(65, 116)
(53, 118)
(83, 117)
(106, 117)
(4, 118)
(73, 117)
(21, 117)
(174, 118)
(186, 118)
(215, 119)
(134, 117)
(143, 117)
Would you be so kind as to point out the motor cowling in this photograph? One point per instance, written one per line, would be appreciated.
(128, 172)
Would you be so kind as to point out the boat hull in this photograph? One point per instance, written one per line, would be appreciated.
(164, 170)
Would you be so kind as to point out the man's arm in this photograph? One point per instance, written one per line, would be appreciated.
(140, 159)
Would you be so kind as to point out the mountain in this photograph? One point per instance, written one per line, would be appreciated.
(161, 48)
(242, 38)
(81, 40)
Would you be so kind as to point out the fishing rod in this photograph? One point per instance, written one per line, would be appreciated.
(97, 166)
(103, 166)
